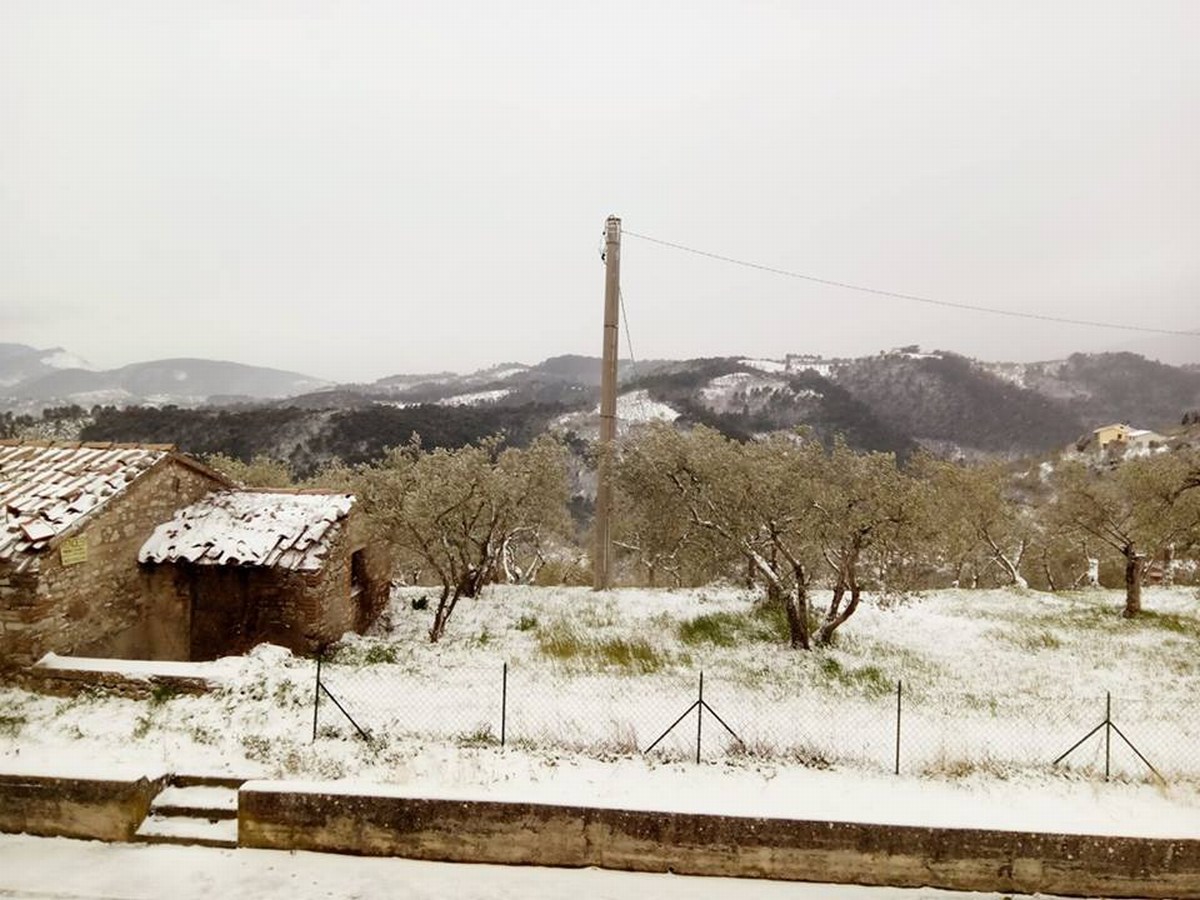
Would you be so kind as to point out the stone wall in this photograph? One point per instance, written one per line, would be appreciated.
(106, 605)
(276, 816)
(339, 608)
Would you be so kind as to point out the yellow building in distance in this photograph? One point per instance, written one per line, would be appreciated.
(1107, 434)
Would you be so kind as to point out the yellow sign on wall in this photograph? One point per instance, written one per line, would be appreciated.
(73, 551)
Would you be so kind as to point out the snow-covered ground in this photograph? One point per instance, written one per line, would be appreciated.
(996, 684)
(58, 868)
(475, 399)
(633, 408)
(765, 365)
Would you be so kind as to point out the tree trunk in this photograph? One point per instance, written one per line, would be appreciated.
(796, 607)
(834, 621)
(1133, 582)
(1012, 567)
(444, 608)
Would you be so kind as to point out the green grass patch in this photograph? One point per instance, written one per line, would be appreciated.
(10, 726)
(1033, 640)
(718, 629)
(161, 693)
(1107, 618)
(141, 727)
(637, 655)
(1172, 622)
(762, 623)
(527, 623)
(868, 680)
(375, 653)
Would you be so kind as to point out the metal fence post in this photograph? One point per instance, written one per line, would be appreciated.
(899, 696)
(1107, 732)
(503, 703)
(317, 697)
(699, 717)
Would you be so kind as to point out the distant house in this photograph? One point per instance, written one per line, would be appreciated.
(288, 567)
(1124, 439)
(1141, 441)
(1109, 434)
(72, 520)
(138, 551)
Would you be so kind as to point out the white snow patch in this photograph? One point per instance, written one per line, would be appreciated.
(637, 406)
(501, 374)
(64, 360)
(765, 365)
(476, 399)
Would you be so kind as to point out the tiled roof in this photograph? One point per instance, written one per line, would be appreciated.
(47, 488)
(250, 528)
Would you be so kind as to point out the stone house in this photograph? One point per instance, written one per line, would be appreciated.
(138, 551)
(289, 567)
(72, 520)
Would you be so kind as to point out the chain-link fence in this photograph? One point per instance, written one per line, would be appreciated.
(902, 729)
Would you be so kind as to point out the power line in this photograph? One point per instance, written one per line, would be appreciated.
(913, 297)
(628, 337)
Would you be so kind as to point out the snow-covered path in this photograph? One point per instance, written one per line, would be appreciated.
(58, 869)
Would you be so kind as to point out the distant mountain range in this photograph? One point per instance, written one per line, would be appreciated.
(898, 400)
(32, 379)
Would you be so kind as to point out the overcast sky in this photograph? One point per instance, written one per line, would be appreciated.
(353, 189)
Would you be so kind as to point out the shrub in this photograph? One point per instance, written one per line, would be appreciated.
(480, 736)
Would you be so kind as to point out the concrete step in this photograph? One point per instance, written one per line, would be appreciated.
(207, 802)
(187, 830)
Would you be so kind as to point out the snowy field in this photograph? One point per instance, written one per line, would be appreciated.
(996, 685)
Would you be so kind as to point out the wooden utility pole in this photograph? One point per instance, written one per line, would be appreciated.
(602, 554)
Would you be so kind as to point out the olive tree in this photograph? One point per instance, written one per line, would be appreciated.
(980, 521)
(793, 512)
(467, 513)
(1140, 510)
(869, 513)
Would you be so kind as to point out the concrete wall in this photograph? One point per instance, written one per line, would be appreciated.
(537, 834)
(107, 605)
(93, 809)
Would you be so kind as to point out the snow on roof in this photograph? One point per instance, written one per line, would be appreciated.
(47, 488)
(250, 528)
